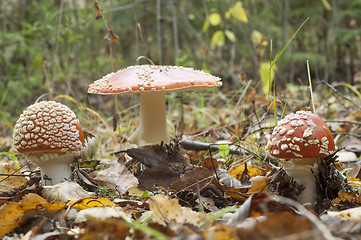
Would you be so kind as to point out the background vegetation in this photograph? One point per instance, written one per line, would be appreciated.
(57, 47)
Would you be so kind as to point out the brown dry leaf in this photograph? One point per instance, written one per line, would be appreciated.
(259, 184)
(8, 182)
(347, 198)
(239, 194)
(203, 176)
(165, 211)
(261, 204)
(112, 37)
(12, 213)
(98, 13)
(250, 170)
(117, 177)
(159, 176)
(279, 224)
(90, 203)
(221, 232)
(111, 228)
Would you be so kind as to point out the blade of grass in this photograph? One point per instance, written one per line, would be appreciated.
(244, 88)
(310, 86)
(351, 88)
(278, 55)
(13, 158)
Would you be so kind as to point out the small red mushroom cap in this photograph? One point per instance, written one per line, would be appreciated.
(301, 135)
(153, 78)
(48, 126)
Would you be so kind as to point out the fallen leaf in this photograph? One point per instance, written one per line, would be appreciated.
(259, 184)
(99, 213)
(13, 212)
(91, 203)
(347, 198)
(8, 182)
(111, 228)
(247, 169)
(117, 177)
(200, 175)
(165, 211)
(221, 232)
(66, 191)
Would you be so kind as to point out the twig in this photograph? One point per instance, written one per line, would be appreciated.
(348, 133)
(340, 94)
(343, 121)
(161, 30)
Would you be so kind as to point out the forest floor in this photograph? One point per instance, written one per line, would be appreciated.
(215, 180)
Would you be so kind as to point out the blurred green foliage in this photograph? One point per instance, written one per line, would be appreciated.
(58, 44)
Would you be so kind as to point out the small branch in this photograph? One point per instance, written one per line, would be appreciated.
(343, 121)
(348, 133)
(340, 94)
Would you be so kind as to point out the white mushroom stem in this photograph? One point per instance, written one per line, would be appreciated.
(55, 166)
(304, 171)
(152, 127)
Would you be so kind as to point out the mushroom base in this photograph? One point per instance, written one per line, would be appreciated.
(304, 172)
(56, 166)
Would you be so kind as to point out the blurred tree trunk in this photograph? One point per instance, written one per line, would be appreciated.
(161, 5)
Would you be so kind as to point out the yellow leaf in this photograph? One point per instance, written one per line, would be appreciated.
(166, 211)
(267, 76)
(326, 4)
(9, 182)
(259, 184)
(11, 214)
(91, 202)
(228, 13)
(134, 191)
(251, 171)
(221, 232)
(239, 13)
(256, 37)
(230, 35)
(205, 25)
(218, 39)
(214, 19)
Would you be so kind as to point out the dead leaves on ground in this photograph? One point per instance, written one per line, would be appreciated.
(173, 198)
(166, 211)
(14, 213)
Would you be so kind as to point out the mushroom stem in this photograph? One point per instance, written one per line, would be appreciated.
(54, 166)
(304, 172)
(152, 127)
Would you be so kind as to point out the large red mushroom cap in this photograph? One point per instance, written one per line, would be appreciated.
(153, 78)
(152, 82)
(301, 135)
(50, 135)
(48, 126)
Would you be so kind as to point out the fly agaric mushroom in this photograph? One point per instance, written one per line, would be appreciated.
(303, 138)
(152, 82)
(50, 135)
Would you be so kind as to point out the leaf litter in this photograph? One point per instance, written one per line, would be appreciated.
(228, 190)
